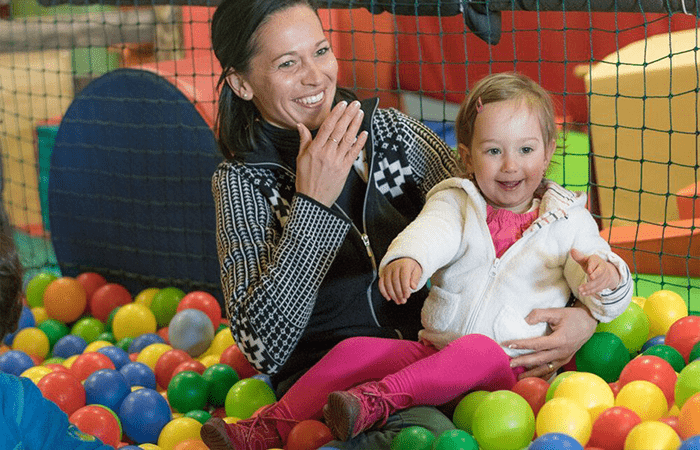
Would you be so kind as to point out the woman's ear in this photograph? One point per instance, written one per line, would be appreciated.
(239, 86)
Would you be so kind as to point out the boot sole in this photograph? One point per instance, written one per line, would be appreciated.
(340, 415)
(213, 433)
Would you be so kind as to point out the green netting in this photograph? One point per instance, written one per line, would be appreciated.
(625, 83)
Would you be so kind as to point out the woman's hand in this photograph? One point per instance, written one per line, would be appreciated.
(399, 278)
(324, 162)
(571, 328)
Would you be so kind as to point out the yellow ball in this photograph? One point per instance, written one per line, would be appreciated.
(222, 340)
(145, 297)
(644, 398)
(68, 362)
(150, 446)
(231, 419)
(562, 415)
(32, 341)
(40, 314)
(663, 308)
(36, 373)
(96, 345)
(150, 354)
(640, 301)
(652, 435)
(133, 320)
(178, 430)
(209, 360)
(589, 390)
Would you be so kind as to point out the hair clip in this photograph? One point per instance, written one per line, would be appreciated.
(479, 105)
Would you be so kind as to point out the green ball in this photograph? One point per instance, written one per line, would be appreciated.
(107, 336)
(694, 353)
(221, 377)
(164, 304)
(455, 440)
(503, 421)
(464, 412)
(413, 438)
(54, 360)
(125, 343)
(247, 396)
(88, 328)
(110, 319)
(555, 383)
(54, 330)
(36, 287)
(187, 391)
(632, 327)
(668, 353)
(199, 415)
(688, 383)
(604, 355)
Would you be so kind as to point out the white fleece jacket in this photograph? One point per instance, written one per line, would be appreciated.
(475, 292)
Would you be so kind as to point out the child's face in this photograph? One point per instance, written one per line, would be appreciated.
(508, 155)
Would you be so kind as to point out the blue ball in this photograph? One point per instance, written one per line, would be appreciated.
(106, 387)
(191, 330)
(266, 378)
(26, 319)
(118, 356)
(138, 374)
(143, 341)
(555, 441)
(15, 362)
(692, 443)
(68, 346)
(656, 340)
(143, 415)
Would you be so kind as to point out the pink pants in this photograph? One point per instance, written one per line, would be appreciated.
(429, 376)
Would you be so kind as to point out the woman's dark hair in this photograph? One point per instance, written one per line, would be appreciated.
(10, 284)
(233, 35)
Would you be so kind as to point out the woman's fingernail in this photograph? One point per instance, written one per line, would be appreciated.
(512, 346)
(512, 365)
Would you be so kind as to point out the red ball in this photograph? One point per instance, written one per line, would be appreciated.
(235, 358)
(98, 421)
(534, 390)
(88, 363)
(192, 364)
(91, 281)
(683, 335)
(64, 389)
(654, 369)
(308, 434)
(671, 421)
(204, 302)
(167, 362)
(611, 428)
(163, 332)
(106, 298)
(615, 387)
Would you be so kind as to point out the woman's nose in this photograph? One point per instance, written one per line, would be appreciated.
(312, 73)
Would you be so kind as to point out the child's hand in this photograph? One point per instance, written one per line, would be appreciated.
(399, 278)
(601, 274)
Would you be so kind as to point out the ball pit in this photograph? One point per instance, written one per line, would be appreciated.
(138, 374)
(65, 299)
(91, 281)
(167, 362)
(69, 345)
(144, 413)
(106, 298)
(106, 387)
(98, 421)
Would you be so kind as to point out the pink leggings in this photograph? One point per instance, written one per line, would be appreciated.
(429, 376)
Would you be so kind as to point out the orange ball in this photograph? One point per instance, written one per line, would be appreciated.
(689, 417)
(308, 434)
(191, 444)
(65, 299)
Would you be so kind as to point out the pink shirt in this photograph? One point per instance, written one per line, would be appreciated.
(506, 227)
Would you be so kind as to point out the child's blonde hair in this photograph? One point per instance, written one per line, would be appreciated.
(501, 87)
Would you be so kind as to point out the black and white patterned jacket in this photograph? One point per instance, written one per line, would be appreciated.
(298, 277)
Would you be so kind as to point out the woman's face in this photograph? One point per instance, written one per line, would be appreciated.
(293, 75)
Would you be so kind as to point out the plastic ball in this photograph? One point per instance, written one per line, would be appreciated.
(209, 360)
(532, 389)
(223, 339)
(694, 353)
(34, 292)
(65, 299)
(555, 441)
(144, 413)
(611, 428)
(167, 362)
(683, 334)
(26, 320)
(199, 415)
(688, 383)
(204, 302)
(653, 435)
(604, 354)
(91, 281)
(663, 308)
(69, 345)
(133, 320)
(145, 297)
(191, 330)
(164, 304)
(54, 330)
(653, 369)
(632, 327)
(96, 345)
(107, 387)
(308, 434)
(669, 354)
(15, 362)
(191, 365)
(220, 378)
(562, 415)
(98, 421)
(106, 298)
(190, 444)
(413, 438)
(692, 443)
(588, 390)
(125, 343)
(149, 355)
(643, 397)
(36, 373)
(88, 363)
(247, 396)
(555, 384)
(88, 328)
(64, 389)
(463, 414)
(656, 340)
(178, 430)
(138, 374)
(118, 356)
(187, 391)
(143, 341)
(236, 359)
(40, 314)
(503, 417)
(32, 341)
(455, 440)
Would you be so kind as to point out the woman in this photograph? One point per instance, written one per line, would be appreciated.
(314, 188)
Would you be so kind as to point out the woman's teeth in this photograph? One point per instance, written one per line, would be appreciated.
(311, 100)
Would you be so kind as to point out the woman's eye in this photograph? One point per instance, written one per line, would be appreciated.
(493, 151)
(527, 150)
(323, 51)
(286, 64)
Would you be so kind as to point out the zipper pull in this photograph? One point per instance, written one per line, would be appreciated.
(365, 240)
